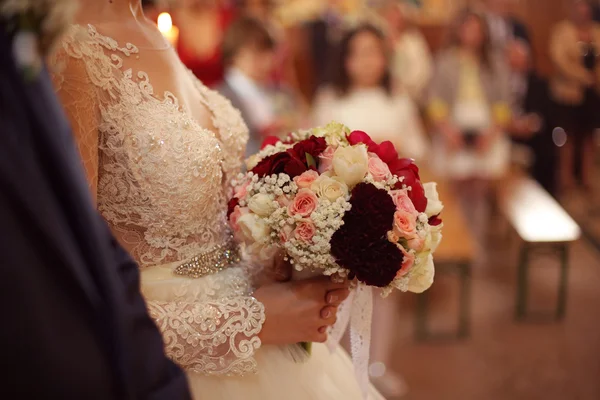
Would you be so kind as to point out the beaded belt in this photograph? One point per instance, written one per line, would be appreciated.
(214, 260)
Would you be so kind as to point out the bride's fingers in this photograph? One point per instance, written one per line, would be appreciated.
(321, 337)
(328, 312)
(335, 297)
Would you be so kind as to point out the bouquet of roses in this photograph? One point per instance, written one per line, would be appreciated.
(337, 203)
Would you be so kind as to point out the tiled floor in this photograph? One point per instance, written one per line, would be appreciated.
(503, 359)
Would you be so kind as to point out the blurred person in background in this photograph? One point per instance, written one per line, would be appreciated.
(249, 54)
(575, 85)
(502, 25)
(469, 108)
(532, 117)
(286, 39)
(202, 25)
(361, 97)
(411, 61)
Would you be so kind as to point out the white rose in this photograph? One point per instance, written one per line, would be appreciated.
(434, 205)
(261, 204)
(351, 164)
(433, 239)
(329, 188)
(253, 228)
(421, 275)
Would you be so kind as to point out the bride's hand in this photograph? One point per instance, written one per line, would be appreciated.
(300, 311)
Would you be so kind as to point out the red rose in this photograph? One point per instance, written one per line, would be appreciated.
(233, 203)
(407, 169)
(313, 146)
(435, 220)
(285, 162)
(357, 137)
(295, 166)
(385, 150)
(269, 141)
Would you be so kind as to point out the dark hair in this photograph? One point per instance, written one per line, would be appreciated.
(339, 75)
(245, 31)
(463, 17)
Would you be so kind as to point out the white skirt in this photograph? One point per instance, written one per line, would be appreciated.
(324, 375)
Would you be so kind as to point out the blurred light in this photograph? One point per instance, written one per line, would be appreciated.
(377, 369)
(559, 136)
(164, 22)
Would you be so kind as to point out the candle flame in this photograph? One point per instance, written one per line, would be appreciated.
(164, 22)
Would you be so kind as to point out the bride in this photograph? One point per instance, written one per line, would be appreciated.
(159, 149)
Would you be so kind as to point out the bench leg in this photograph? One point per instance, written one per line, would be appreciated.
(464, 322)
(422, 331)
(523, 282)
(522, 285)
(563, 284)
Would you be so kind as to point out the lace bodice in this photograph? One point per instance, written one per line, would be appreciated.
(161, 177)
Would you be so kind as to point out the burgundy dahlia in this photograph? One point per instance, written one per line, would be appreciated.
(361, 244)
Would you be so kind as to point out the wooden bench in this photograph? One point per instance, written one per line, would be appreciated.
(542, 224)
(454, 255)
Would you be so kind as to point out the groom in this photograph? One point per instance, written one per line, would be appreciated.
(74, 325)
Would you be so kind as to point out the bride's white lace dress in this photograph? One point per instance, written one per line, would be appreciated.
(161, 183)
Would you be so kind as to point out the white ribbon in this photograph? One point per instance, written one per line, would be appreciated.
(358, 310)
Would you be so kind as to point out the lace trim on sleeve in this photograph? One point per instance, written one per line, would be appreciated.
(212, 338)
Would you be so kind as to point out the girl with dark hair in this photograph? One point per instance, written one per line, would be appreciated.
(361, 96)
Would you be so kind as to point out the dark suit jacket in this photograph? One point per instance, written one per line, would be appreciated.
(74, 323)
(537, 100)
(519, 30)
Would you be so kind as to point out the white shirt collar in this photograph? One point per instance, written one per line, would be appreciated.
(256, 101)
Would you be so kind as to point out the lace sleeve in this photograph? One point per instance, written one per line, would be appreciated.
(213, 338)
(78, 97)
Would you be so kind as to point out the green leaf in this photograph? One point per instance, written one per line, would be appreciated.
(310, 161)
(307, 346)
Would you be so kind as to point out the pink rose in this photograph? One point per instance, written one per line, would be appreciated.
(286, 233)
(304, 203)
(242, 190)
(403, 202)
(283, 201)
(405, 224)
(305, 180)
(235, 216)
(407, 263)
(326, 159)
(378, 169)
(305, 230)
(416, 243)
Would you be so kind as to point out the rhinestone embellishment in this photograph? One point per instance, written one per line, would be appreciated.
(215, 260)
